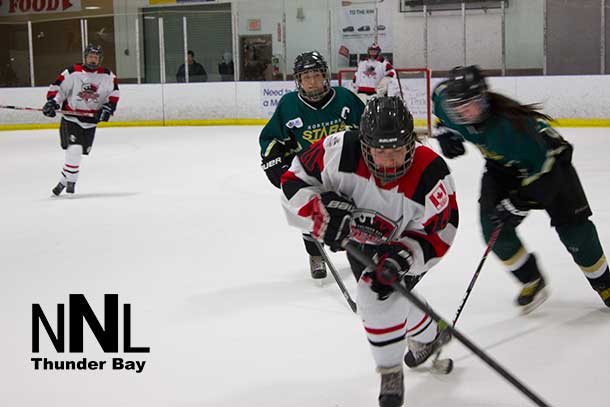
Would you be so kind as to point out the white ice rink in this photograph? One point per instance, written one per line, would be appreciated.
(183, 225)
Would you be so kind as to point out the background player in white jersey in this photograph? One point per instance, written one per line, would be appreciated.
(396, 199)
(84, 88)
(374, 75)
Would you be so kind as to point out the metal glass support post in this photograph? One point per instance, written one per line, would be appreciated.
(284, 41)
(464, 31)
(602, 45)
(503, 36)
(425, 10)
(138, 63)
(83, 40)
(186, 49)
(545, 30)
(235, 32)
(161, 52)
(31, 53)
(329, 40)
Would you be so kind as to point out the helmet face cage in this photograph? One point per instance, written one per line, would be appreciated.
(386, 123)
(311, 62)
(96, 50)
(388, 174)
(465, 85)
(453, 107)
(375, 48)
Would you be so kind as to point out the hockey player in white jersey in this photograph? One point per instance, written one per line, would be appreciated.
(395, 197)
(83, 88)
(374, 75)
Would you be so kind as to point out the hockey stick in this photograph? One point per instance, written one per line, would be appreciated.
(444, 369)
(35, 109)
(364, 259)
(400, 87)
(337, 277)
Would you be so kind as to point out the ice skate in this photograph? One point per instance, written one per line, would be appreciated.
(532, 295)
(58, 189)
(71, 187)
(392, 391)
(420, 352)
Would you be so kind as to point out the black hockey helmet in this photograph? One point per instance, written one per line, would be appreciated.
(311, 61)
(387, 123)
(96, 50)
(466, 84)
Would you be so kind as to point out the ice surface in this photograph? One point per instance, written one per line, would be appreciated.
(183, 225)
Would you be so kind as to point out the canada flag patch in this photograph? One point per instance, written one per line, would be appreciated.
(438, 197)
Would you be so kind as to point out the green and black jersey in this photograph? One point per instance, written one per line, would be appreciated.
(297, 124)
(526, 153)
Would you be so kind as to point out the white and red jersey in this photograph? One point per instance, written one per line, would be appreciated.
(370, 72)
(81, 89)
(419, 209)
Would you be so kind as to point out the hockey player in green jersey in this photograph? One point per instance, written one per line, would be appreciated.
(528, 166)
(314, 111)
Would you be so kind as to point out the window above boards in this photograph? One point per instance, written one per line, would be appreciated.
(414, 6)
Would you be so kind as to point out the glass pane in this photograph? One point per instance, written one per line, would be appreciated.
(150, 35)
(174, 49)
(307, 30)
(484, 40)
(14, 55)
(126, 40)
(209, 37)
(57, 44)
(358, 26)
(259, 43)
(100, 31)
(524, 37)
(445, 40)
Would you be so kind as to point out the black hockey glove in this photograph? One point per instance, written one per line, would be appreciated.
(107, 110)
(451, 142)
(506, 213)
(50, 107)
(332, 219)
(393, 263)
(275, 164)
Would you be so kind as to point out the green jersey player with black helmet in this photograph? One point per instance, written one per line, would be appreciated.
(314, 111)
(528, 166)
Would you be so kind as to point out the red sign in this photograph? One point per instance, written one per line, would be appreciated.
(14, 7)
(254, 25)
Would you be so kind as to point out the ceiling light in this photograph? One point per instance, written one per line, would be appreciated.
(92, 7)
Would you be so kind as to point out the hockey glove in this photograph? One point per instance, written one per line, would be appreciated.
(275, 164)
(332, 218)
(107, 110)
(451, 142)
(50, 107)
(393, 264)
(382, 87)
(506, 213)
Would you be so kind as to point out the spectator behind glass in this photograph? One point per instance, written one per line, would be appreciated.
(225, 67)
(197, 72)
